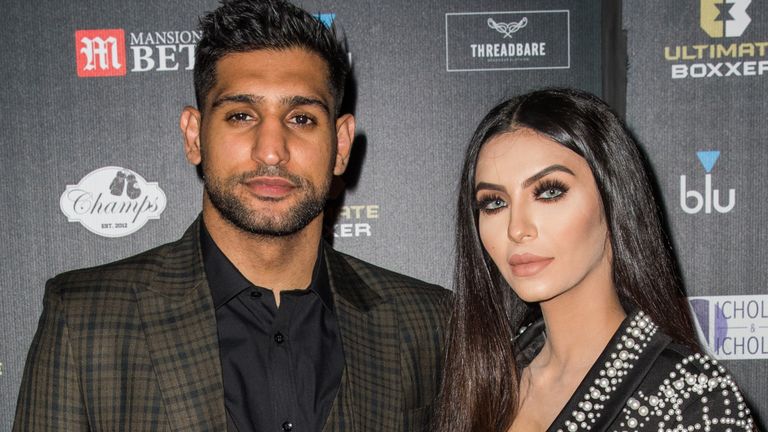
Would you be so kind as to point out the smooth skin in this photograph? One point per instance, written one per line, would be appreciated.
(271, 112)
(543, 224)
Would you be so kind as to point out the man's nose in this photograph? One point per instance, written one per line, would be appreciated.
(270, 145)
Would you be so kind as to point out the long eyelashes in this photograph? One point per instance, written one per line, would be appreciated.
(550, 190)
(490, 204)
(546, 191)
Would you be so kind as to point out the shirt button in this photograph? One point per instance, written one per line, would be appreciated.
(255, 294)
(287, 426)
(279, 338)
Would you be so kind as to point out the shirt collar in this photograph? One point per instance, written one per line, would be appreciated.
(226, 281)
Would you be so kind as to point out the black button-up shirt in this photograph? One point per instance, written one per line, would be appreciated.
(281, 366)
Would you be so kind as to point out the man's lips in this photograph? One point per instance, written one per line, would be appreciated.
(271, 187)
(527, 264)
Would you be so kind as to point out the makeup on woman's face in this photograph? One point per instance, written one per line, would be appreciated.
(541, 218)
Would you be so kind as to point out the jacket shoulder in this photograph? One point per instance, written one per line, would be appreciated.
(121, 275)
(689, 390)
(398, 287)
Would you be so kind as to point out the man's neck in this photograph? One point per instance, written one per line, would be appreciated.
(277, 263)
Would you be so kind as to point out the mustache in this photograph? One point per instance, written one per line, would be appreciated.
(270, 171)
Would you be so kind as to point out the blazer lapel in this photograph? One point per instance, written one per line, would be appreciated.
(370, 394)
(613, 378)
(179, 322)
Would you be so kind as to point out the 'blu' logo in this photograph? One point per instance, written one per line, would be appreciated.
(326, 18)
(693, 202)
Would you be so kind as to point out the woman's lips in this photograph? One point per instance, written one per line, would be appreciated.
(270, 187)
(527, 264)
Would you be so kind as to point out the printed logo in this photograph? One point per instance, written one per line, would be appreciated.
(326, 18)
(355, 220)
(507, 28)
(351, 220)
(104, 53)
(481, 41)
(724, 18)
(109, 53)
(100, 53)
(733, 327)
(720, 19)
(112, 201)
(693, 201)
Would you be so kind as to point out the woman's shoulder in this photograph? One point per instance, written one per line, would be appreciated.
(685, 389)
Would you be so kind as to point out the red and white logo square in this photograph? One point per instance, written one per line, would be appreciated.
(100, 53)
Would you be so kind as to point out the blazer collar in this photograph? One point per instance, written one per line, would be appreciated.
(181, 269)
(179, 322)
(371, 386)
(178, 318)
(346, 282)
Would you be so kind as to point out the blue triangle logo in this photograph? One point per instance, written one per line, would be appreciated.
(708, 159)
(326, 18)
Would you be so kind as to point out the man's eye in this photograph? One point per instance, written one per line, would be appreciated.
(239, 117)
(302, 119)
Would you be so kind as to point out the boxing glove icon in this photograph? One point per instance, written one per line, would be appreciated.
(132, 190)
(118, 184)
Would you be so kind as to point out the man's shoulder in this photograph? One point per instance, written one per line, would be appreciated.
(119, 275)
(391, 284)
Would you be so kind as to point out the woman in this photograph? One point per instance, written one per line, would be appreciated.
(569, 314)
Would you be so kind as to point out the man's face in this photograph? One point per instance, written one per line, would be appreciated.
(268, 139)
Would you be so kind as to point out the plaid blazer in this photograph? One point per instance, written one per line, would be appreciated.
(132, 346)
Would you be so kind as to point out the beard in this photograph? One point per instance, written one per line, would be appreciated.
(311, 202)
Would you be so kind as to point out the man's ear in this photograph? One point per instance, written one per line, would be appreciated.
(190, 129)
(345, 134)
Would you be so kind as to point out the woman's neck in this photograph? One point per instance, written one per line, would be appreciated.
(579, 324)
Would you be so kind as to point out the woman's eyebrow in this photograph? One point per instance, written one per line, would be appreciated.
(546, 171)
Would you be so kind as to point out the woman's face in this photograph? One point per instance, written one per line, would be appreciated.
(541, 217)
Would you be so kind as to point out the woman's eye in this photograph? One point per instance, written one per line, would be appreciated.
(551, 190)
(550, 193)
(491, 204)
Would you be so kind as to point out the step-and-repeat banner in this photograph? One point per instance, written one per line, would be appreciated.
(697, 93)
(93, 167)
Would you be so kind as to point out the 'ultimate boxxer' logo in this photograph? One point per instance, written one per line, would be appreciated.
(112, 201)
(695, 201)
(733, 327)
(722, 20)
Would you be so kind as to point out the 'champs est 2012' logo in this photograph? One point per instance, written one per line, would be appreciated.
(694, 201)
(112, 201)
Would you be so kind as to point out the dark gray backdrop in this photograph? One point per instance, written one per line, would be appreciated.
(683, 122)
(414, 118)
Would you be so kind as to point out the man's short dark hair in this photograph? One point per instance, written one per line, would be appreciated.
(247, 25)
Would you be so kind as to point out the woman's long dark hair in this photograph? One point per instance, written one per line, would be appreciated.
(480, 381)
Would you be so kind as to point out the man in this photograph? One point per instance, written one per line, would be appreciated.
(249, 322)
